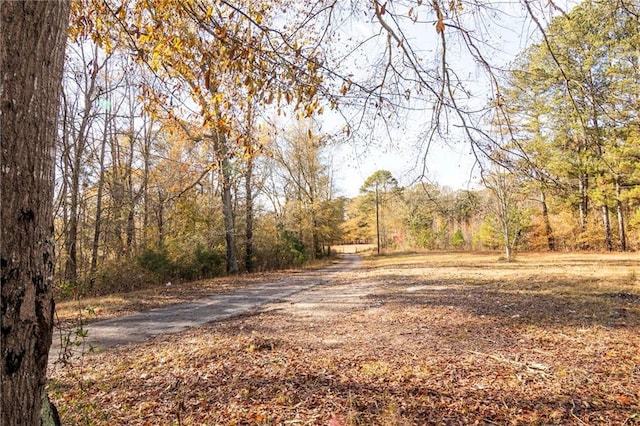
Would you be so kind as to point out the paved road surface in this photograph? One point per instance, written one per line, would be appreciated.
(174, 318)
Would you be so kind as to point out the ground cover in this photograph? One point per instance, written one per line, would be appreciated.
(435, 338)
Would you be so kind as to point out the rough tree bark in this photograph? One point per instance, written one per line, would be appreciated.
(33, 35)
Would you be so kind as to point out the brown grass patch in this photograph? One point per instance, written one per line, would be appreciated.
(435, 338)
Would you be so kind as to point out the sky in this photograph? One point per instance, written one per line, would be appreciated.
(453, 167)
(448, 164)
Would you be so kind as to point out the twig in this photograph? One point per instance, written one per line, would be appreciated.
(530, 366)
(573, 406)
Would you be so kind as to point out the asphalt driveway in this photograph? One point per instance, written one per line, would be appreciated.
(174, 318)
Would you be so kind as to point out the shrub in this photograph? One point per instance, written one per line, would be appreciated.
(457, 239)
(156, 261)
(208, 262)
(201, 263)
(122, 276)
(294, 253)
(198, 264)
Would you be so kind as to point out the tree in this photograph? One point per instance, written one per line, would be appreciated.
(466, 205)
(568, 101)
(355, 227)
(213, 59)
(78, 116)
(31, 62)
(307, 183)
(508, 208)
(379, 187)
(250, 147)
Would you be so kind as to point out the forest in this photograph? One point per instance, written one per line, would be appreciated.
(183, 153)
(158, 152)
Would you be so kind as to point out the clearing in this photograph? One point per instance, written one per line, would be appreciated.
(432, 338)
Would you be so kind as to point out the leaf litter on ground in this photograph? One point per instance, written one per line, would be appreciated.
(408, 339)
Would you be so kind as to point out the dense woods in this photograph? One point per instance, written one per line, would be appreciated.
(571, 102)
(175, 164)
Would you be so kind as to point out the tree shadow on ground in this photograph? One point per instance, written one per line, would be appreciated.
(561, 302)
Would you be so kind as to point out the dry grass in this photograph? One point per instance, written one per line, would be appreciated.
(436, 338)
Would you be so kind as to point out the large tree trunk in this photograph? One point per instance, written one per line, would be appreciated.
(31, 59)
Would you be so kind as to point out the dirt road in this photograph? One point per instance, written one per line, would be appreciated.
(175, 318)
